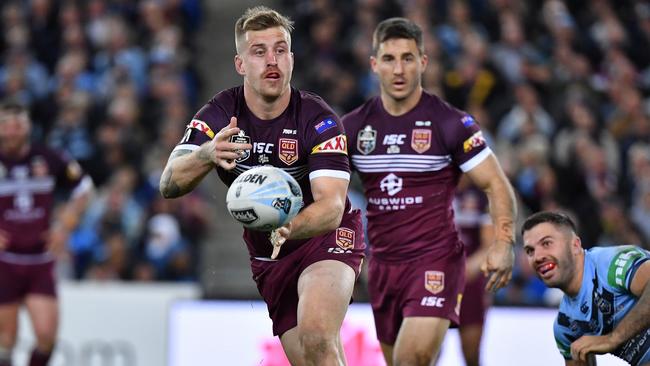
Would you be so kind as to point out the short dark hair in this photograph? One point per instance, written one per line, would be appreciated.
(12, 107)
(555, 218)
(396, 28)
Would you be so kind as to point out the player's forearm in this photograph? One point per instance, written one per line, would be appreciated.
(318, 218)
(636, 321)
(183, 172)
(503, 208)
(70, 213)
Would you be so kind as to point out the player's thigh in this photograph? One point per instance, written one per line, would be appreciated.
(324, 292)
(420, 336)
(44, 313)
(8, 323)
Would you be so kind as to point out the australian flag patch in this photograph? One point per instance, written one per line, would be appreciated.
(324, 125)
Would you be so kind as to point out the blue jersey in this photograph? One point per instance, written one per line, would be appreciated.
(604, 299)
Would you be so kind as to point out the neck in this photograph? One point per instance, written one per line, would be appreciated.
(264, 108)
(16, 153)
(396, 107)
(573, 288)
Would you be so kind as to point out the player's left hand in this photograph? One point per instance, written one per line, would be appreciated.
(498, 265)
(278, 237)
(592, 344)
(57, 239)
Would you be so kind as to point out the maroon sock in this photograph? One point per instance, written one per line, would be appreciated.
(39, 358)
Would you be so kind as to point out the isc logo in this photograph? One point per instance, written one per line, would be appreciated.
(394, 139)
(263, 148)
(433, 301)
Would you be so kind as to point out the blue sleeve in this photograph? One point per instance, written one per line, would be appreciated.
(561, 341)
(622, 263)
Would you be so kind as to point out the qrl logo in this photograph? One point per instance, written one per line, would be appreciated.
(391, 184)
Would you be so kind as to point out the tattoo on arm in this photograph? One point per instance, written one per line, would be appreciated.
(169, 188)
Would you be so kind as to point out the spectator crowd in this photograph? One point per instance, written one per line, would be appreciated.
(560, 88)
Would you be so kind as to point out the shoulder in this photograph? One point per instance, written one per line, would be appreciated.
(311, 103)
(445, 113)
(226, 100)
(356, 117)
(615, 264)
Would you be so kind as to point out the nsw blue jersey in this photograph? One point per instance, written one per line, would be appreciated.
(604, 299)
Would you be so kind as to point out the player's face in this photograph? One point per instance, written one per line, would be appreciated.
(551, 252)
(14, 132)
(399, 65)
(266, 62)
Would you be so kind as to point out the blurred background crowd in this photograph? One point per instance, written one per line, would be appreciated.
(560, 89)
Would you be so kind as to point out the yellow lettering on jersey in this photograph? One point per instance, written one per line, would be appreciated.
(201, 126)
(337, 144)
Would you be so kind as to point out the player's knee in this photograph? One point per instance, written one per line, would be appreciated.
(45, 342)
(7, 340)
(419, 357)
(316, 345)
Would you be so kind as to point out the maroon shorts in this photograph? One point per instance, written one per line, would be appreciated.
(430, 286)
(277, 281)
(19, 280)
(475, 302)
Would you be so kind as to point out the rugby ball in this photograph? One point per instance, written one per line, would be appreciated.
(264, 198)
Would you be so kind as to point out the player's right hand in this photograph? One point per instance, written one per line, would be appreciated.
(4, 240)
(221, 151)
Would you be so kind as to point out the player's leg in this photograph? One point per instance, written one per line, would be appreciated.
(324, 292)
(472, 316)
(419, 340)
(387, 350)
(470, 339)
(43, 309)
(44, 313)
(8, 331)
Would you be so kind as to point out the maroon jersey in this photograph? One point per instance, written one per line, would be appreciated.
(471, 214)
(409, 166)
(27, 192)
(306, 141)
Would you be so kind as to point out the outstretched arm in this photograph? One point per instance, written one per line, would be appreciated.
(634, 322)
(489, 176)
(185, 168)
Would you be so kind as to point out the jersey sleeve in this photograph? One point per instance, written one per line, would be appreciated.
(465, 141)
(327, 148)
(561, 341)
(209, 120)
(622, 262)
(68, 173)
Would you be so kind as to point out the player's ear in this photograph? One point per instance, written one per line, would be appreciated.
(424, 59)
(373, 63)
(239, 65)
(576, 244)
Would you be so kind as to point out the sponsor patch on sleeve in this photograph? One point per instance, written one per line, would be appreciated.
(476, 140)
(201, 126)
(324, 125)
(337, 144)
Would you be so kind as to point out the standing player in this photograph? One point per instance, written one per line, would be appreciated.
(410, 148)
(476, 233)
(606, 304)
(308, 286)
(29, 176)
